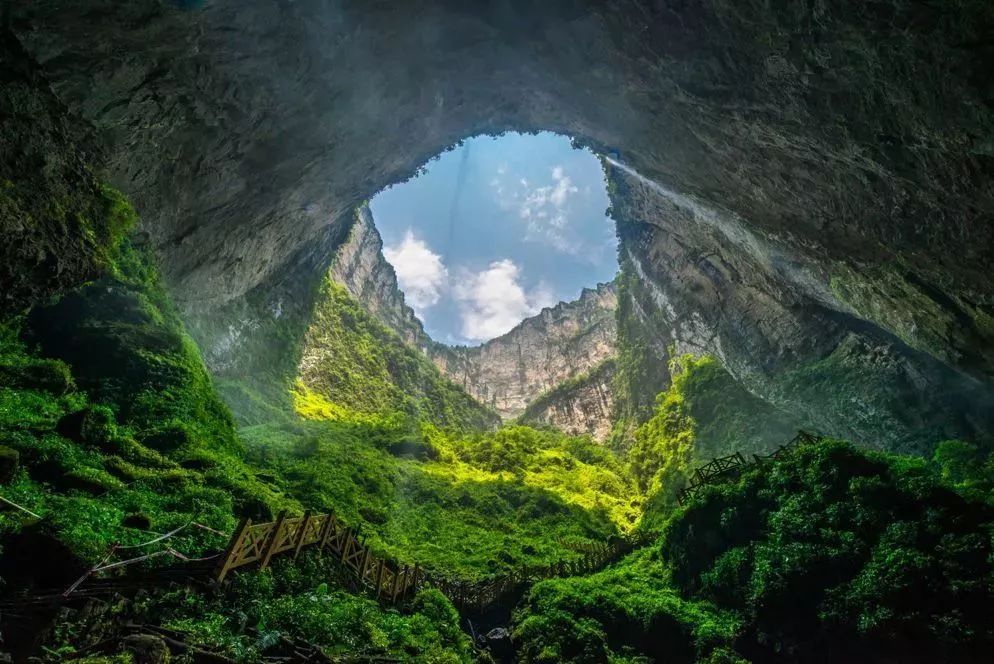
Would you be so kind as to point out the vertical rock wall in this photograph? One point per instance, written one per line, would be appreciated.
(557, 346)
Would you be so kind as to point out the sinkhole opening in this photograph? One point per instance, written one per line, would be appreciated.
(496, 229)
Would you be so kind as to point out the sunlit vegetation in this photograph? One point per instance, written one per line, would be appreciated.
(356, 362)
(419, 469)
(830, 554)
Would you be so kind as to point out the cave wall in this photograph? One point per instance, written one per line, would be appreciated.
(855, 138)
(56, 233)
(707, 286)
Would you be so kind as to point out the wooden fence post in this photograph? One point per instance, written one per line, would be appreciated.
(362, 565)
(406, 584)
(234, 544)
(414, 584)
(396, 582)
(301, 534)
(349, 543)
(329, 528)
(274, 538)
(379, 578)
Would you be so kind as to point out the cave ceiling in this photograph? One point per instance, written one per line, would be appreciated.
(812, 173)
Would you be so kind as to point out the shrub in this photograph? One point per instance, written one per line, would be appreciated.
(833, 554)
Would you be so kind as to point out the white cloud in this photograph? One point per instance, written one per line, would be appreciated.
(420, 271)
(545, 210)
(492, 302)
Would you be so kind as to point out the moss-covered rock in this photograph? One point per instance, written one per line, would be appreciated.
(127, 347)
(47, 375)
(59, 225)
(168, 438)
(94, 425)
(9, 463)
(146, 649)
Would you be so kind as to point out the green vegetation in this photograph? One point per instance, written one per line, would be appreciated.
(123, 427)
(830, 554)
(297, 600)
(629, 612)
(356, 362)
(703, 414)
(111, 430)
(471, 506)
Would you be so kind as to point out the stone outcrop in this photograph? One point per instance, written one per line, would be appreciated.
(539, 354)
(580, 405)
(360, 266)
(839, 158)
(53, 214)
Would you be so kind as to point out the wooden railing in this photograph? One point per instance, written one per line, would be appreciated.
(388, 580)
(258, 543)
(722, 468)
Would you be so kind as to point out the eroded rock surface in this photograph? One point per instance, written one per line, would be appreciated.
(539, 354)
(707, 285)
(583, 404)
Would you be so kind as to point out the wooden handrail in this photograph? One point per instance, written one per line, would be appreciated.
(720, 468)
(388, 580)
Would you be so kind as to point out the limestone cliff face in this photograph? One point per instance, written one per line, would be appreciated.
(698, 280)
(583, 404)
(359, 265)
(542, 352)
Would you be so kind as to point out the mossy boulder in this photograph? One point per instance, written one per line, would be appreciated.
(168, 438)
(88, 480)
(9, 463)
(128, 347)
(45, 375)
(147, 649)
(93, 425)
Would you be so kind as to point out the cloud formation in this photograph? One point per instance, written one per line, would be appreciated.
(544, 209)
(421, 273)
(491, 302)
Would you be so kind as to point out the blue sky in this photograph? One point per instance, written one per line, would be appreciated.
(496, 230)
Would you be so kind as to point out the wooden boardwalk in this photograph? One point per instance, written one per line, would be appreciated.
(389, 581)
(724, 468)
(256, 544)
